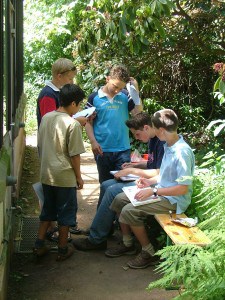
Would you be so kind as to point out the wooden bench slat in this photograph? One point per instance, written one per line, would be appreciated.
(180, 234)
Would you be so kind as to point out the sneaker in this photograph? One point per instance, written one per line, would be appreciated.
(38, 252)
(62, 256)
(121, 250)
(143, 260)
(84, 244)
(75, 230)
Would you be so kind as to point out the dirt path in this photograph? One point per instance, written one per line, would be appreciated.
(86, 275)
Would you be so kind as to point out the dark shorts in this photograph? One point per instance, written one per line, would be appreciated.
(60, 204)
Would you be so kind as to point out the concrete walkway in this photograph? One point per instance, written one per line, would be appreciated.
(87, 275)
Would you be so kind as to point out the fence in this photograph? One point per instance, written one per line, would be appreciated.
(12, 134)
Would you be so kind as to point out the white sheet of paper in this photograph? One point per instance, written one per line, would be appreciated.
(39, 192)
(85, 113)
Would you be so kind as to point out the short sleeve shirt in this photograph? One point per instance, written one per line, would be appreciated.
(59, 138)
(177, 168)
(155, 153)
(109, 125)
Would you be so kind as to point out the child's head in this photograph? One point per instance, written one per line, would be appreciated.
(70, 93)
(165, 118)
(120, 72)
(141, 126)
(63, 71)
(117, 79)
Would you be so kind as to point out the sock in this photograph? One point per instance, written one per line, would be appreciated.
(128, 240)
(149, 248)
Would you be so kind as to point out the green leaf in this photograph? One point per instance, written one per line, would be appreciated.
(217, 83)
(122, 26)
(160, 28)
(222, 100)
(98, 35)
(144, 41)
(153, 6)
(222, 87)
(163, 1)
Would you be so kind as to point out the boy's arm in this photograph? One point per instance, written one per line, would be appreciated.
(75, 161)
(47, 104)
(138, 172)
(176, 190)
(96, 148)
(138, 107)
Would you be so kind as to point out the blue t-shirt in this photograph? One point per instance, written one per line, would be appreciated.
(177, 168)
(109, 125)
(155, 153)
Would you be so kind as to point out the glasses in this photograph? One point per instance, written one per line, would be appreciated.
(72, 69)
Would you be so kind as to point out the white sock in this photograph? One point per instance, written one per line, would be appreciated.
(128, 240)
(149, 248)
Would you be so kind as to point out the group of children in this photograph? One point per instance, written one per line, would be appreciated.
(167, 174)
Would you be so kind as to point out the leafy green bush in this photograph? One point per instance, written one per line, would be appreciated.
(200, 270)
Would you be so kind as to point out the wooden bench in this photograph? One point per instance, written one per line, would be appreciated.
(179, 234)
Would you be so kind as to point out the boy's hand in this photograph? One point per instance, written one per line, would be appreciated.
(143, 182)
(96, 148)
(128, 165)
(80, 183)
(134, 82)
(82, 120)
(122, 173)
(143, 194)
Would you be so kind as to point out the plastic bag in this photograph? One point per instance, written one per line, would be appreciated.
(136, 156)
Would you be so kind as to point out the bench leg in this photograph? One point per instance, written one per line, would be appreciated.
(168, 241)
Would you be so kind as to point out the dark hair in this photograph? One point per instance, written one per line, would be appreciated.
(69, 93)
(165, 118)
(139, 120)
(120, 72)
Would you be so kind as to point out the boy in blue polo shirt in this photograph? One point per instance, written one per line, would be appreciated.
(107, 132)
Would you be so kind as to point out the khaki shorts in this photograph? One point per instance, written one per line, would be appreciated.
(136, 215)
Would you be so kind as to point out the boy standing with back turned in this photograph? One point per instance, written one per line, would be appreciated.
(60, 145)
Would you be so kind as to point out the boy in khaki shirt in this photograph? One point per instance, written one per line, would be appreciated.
(60, 145)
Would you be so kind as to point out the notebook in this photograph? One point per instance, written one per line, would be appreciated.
(129, 177)
(131, 191)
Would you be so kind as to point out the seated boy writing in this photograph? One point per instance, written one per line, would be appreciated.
(174, 190)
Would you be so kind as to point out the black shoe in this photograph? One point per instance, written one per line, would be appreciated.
(84, 244)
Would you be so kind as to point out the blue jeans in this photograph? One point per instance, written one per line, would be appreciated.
(110, 161)
(103, 220)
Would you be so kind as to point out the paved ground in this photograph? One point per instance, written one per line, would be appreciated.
(86, 275)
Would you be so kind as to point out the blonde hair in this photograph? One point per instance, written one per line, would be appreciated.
(62, 65)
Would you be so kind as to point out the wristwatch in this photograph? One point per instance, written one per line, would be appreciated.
(155, 190)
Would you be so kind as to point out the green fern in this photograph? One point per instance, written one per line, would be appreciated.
(200, 270)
